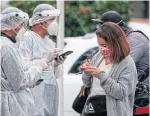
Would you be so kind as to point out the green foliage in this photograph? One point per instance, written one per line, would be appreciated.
(78, 14)
(28, 6)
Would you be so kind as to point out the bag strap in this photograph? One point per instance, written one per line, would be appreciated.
(138, 32)
(143, 77)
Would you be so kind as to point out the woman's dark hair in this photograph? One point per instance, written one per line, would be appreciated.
(116, 40)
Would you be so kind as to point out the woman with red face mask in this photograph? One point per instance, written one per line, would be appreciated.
(111, 75)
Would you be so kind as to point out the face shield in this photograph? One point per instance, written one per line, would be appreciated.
(12, 20)
(39, 17)
(48, 17)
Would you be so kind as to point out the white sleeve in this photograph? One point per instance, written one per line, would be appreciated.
(13, 68)
(58, 71)
(26, 47)
(33, 75)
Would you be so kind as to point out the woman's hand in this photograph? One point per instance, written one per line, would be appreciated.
(86, 63)
(92, 70)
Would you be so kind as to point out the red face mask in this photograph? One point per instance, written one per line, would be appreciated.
(105, 51)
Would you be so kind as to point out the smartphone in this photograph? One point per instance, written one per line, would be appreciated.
(65, 54)
(39, 81)
(81, 67)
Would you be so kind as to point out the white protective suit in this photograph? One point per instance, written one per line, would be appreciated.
(16, 79)
(46, 94)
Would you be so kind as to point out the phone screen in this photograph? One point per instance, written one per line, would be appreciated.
(39, 81)
(65, 54)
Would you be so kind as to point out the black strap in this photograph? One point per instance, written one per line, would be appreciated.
(10, 38)
(144, 76)
(138, 32)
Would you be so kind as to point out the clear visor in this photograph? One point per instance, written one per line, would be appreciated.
(49, 13)
(19, 15)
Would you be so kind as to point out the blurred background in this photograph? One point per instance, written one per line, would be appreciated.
(78, 14)
(79, 33)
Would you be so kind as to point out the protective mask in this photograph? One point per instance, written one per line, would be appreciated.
(53, 28)
(19, 36)
(105, 51)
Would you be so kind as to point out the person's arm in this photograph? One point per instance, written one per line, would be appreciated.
(33, 74)
(58, 71)
(13, 67)
(86, 78)
(121, 88)
(26, 48)
(137, 45)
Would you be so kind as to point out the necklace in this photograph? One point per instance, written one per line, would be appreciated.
(105, 67)
(107, 61)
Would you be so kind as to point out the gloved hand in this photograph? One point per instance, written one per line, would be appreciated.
(45, 60)
(59, 60)
(41, 63)
(58, 50)
(53, 54)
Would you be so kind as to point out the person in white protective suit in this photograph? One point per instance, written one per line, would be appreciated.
(16, 77)
(37, 45)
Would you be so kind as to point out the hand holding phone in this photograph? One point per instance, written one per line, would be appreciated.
(64, 54)
(85, 65)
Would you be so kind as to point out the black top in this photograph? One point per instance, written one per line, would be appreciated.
(10, 38)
